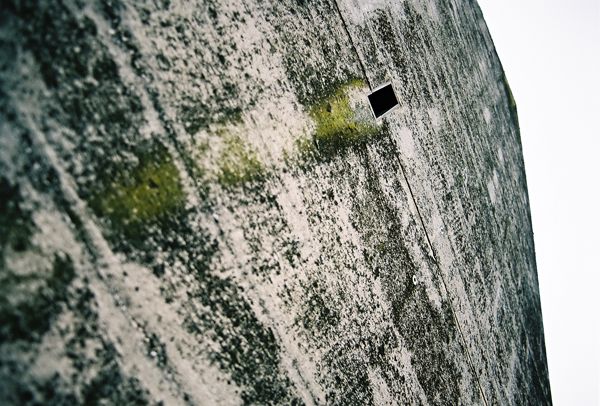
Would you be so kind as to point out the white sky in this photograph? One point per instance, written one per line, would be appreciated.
(550, 51)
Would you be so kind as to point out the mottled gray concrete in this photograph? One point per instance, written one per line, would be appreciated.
(197, 207)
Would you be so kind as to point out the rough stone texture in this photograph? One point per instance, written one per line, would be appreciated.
(198, 208)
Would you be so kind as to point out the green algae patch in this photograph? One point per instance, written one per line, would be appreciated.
(149, 193)
(512, 105)
(238, 163)
(222, 157)
(340, 120)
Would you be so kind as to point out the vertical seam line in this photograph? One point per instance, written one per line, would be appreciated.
(439, 275)
(439, 270)
(362, 66)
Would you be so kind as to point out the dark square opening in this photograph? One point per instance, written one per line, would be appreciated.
(383, 100)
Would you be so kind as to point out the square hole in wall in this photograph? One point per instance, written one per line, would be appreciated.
(382, 100)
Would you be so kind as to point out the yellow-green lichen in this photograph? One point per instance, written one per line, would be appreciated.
(512, 105)
(149, 192)
(338, 122)
(238, 163)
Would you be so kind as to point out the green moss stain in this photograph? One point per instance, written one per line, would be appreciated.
(338, 123)
(238, 163)
(149, 193)
(512, 105)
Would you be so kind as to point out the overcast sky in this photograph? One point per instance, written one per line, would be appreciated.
(550, 51)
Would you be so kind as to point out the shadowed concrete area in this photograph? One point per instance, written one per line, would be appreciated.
(198, 207)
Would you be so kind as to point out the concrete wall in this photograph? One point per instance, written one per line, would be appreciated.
(197, 207)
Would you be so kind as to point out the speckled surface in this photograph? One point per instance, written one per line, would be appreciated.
(197, 207)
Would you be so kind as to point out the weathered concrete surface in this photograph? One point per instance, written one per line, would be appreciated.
(197, 207)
